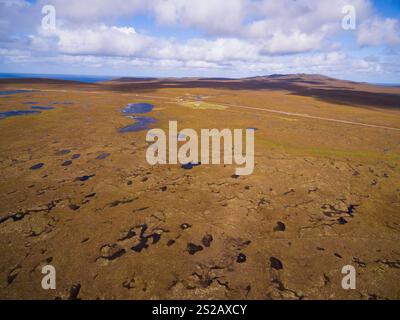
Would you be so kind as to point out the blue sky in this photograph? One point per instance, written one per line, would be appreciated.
(235, 38)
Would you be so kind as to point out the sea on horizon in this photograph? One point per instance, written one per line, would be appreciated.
(71, 77)
(97, 78)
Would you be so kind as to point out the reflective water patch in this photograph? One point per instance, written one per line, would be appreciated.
(42, 108)
(133, 108)
(16, 113)
(7, 92)
(142, 123)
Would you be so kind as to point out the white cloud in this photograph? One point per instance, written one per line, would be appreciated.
(122, 41)
(260, 36)
(378, 31)
(84, 11)
(295, 42)
(97, 40)
(214, 17)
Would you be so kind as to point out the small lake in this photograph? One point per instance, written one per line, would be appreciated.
(142, 123)
(190, 165)
(138, 108)
(42, 108)
(5, 93)
(16, 113)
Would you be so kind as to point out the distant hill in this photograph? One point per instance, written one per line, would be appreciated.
(311, 85)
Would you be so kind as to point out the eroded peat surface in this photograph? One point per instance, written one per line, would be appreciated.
(76, 192)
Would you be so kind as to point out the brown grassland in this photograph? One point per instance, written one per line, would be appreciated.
(325, 192)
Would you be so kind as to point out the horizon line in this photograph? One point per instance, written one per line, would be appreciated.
(114, 77)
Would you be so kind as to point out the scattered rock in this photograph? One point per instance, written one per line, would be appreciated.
(13, 274)
(207, 239)
(391, 264)
(263, 201)
(129, 284)
(118, 202)
(170, 242)
(74, 207)
(313, 189)
(185, 226)
(289, 192)
(67, 163)
(327, 280)
(130, 234)
(91, 195)
(359, 262)
(74, 291)
(112, 252)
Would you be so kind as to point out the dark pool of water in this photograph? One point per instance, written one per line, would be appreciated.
(4, 93)
(102, 156)
(16, 113)
(62, 152)
(65, 102)
(142, 123)
(84, 178)
(134, 108)
(42, 108)
(190, 165)
(37, 166)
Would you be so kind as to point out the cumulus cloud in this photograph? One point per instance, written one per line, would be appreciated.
(378, 31)
(105, 40)
(294, 42)
(253, 36)
(16, 15)
(84, 11)
(214, 17)
(96, 40)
